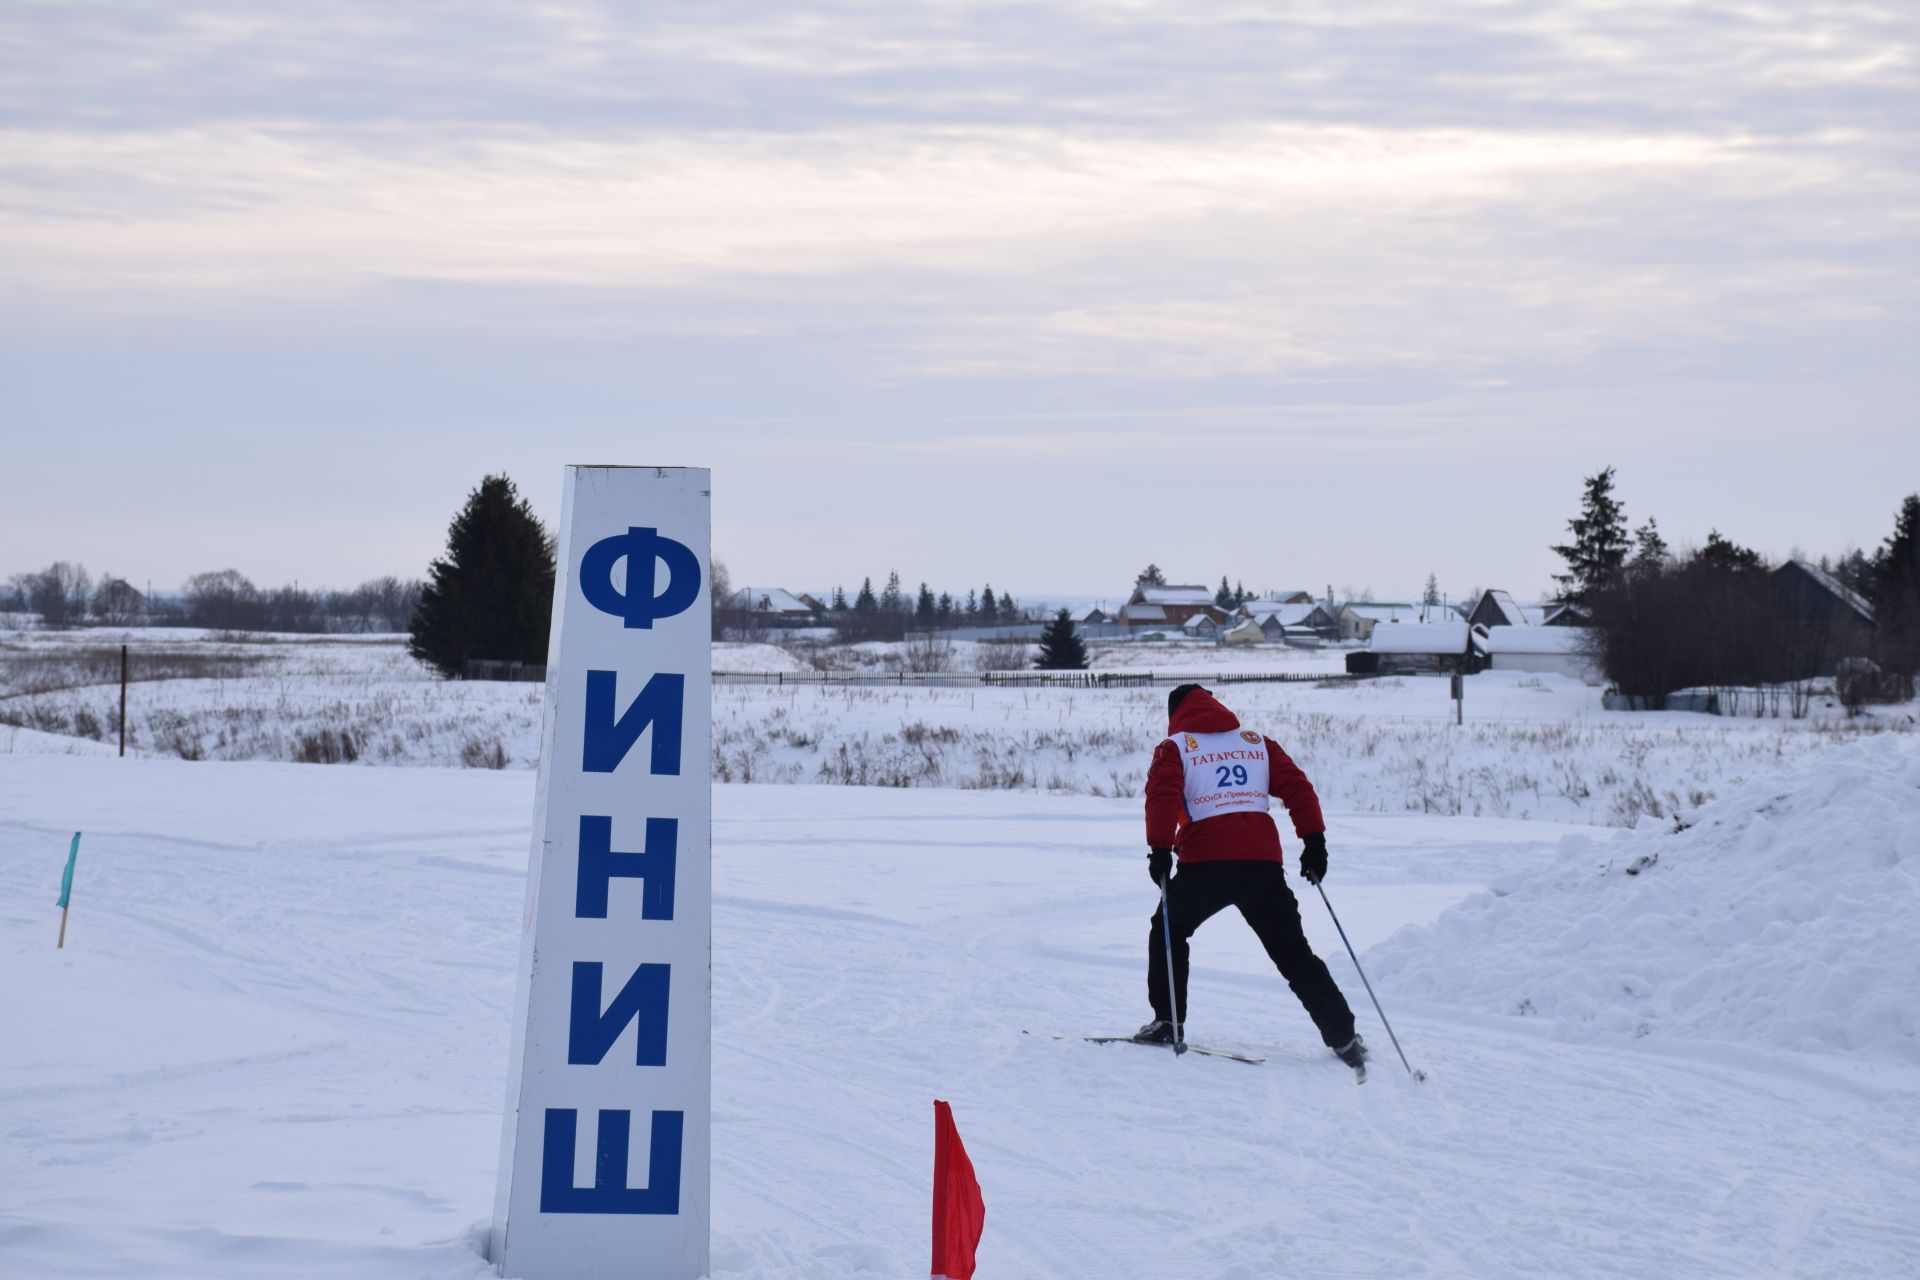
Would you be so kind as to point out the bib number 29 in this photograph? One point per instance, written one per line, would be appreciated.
(1232, 775)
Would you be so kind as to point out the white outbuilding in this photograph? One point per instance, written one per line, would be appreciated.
(1558, 650)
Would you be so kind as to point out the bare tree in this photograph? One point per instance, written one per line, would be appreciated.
(927, 652)
(224, 600)
(719, 588)
(117, 603)
(291, 609)
(58, 593)
(1715, 619)
(389, 602)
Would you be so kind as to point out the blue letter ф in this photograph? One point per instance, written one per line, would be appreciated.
(640, 548)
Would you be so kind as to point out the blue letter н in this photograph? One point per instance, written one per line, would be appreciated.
(608, 740)
(601, 862)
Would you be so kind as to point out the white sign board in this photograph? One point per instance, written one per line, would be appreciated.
(605, 1154)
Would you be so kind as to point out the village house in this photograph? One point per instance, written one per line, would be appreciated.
(1558, 650)
(1168, 606)
(1414, 648)
(1814, 595)
(1500, 609)
(1839, 622)
(768, 607)
(1357, 618)
(1246, 631)
(1271, 601)
(1302, 621)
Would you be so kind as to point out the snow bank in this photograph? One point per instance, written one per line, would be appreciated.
(15, 740)
(1784, 915)
(752, 657)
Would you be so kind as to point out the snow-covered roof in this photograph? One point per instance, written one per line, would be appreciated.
(1381, 611)
(1420, 637)
(767, 600)
(1276, 600)
(1198, 622)
(1248, 630)
(1143, 613)
(1173, 595)
(1853, 599)
(1559, 608)
(1286, 615)
(1519, 615)
(1530, 639)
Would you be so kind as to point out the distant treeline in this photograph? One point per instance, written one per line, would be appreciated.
(64, 594)
(893, 611)
(1721, 616)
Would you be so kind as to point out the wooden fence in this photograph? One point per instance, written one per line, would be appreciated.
(1028, 679)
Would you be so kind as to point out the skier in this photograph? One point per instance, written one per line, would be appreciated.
(1207, 798)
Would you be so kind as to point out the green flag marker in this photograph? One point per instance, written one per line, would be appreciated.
(66, 877)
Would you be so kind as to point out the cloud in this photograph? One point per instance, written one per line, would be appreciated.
(1278, 249)
(1001, 232)
(589, 67)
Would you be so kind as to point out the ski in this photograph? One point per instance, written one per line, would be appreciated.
(1190, 1048)
(1360, 1074)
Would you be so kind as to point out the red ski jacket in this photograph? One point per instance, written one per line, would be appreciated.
(1229, 837)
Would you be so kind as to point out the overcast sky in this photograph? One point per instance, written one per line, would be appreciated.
(1310, 293)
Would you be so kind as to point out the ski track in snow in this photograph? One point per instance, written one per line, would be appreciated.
(276, 1045)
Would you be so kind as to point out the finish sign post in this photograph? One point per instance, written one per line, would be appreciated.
(604, 1164)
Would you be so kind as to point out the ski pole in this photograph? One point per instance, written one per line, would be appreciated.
(1173, 992)
(1417, 1075)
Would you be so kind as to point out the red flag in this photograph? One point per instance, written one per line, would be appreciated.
(958, 1211)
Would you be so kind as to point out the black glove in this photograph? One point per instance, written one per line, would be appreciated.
(1313, 857)
(1160, 863)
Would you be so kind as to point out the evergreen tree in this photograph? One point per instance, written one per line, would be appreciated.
(1431, 594)
(839, 599)
(926, 611)
(973, 605)
(1896, 576)
(864, 605)
(892, 599)
(1649, 548)
(1240, 594)
(1151, 577)
(491, 594)
(1009, 608)
(1061, 648)
(989, 607)
(944, 611)
(1723, 556)
(1223, 598)
(1855, 572)
(1599, 545)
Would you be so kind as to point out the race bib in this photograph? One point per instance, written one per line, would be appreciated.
(1225, 772)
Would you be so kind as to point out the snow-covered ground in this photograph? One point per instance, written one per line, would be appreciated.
(1787, 913)
(1532, 746)
(275, 1044)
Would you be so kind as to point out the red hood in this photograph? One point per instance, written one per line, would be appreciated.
(1200, 712)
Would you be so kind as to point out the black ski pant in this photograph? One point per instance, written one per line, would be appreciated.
(1259, 889)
